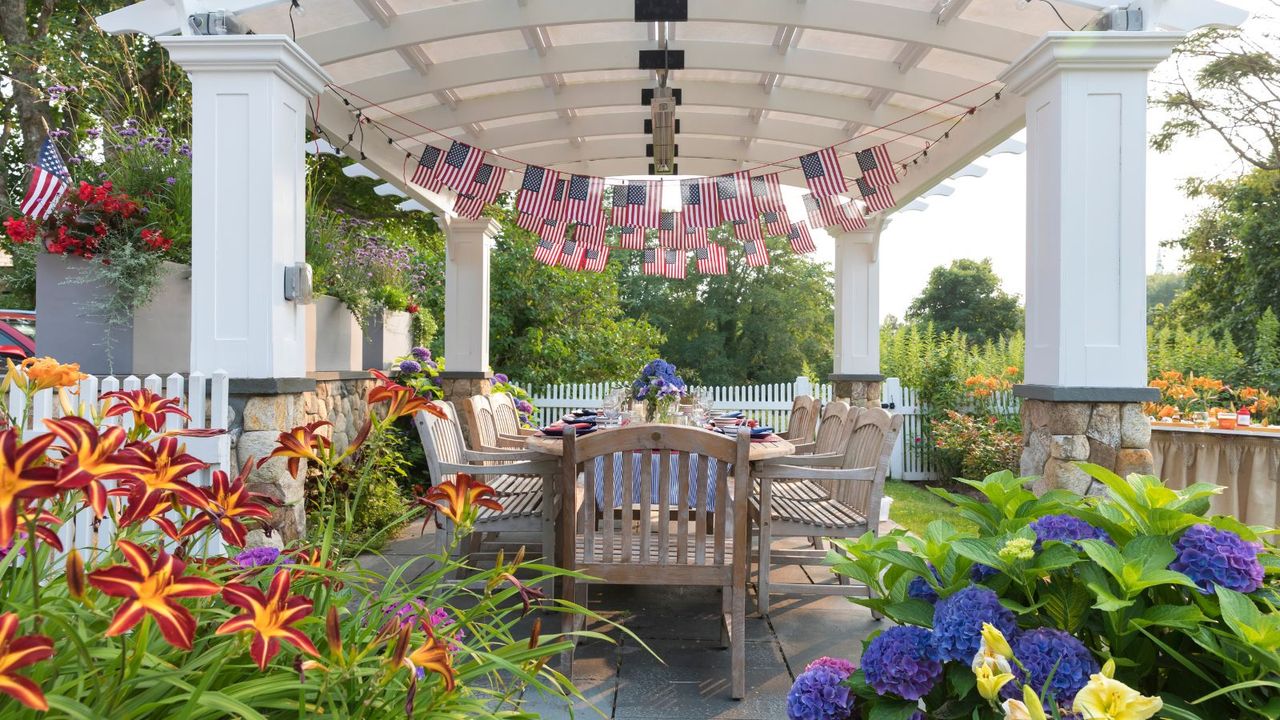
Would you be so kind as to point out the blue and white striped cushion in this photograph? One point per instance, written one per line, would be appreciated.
(673, 494)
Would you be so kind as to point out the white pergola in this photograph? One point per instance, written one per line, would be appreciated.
(555, 83)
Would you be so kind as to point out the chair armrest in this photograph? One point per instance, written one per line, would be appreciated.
(511, 442)
(526, 432)
(519, 468)
(805, 448)
(797, 472)
(498, 455)
(819, 460)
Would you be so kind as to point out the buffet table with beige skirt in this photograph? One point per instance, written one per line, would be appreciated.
(1246, 463)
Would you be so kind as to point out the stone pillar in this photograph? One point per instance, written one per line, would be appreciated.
(249, 110)
(1086, 356)
(856, 358)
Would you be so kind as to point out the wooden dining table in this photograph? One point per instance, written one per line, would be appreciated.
(775, 447)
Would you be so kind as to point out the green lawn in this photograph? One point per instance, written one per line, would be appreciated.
(914, 507)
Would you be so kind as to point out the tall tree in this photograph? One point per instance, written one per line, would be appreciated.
(966, 296)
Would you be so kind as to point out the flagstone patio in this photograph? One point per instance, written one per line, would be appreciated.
(687, 673)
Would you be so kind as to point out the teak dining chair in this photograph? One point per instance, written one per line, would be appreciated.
(506, 417)
(802, 426)
(648, 550)
(482, 423)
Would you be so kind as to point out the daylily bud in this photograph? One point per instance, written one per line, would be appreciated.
(333, 630)
(519, 557)
(408, 700)
(75, 574)
(535, 634)
(402, 645)
(996, 641)
(1109, 668)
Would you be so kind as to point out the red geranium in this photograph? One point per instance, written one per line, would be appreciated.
(20, 230)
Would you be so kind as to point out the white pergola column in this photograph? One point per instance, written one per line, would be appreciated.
(856, 357)
(249, 111)
(466, 298)
(1086, 353)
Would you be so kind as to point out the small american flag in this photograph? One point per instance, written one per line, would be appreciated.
(877, 166)
(669, 227)
(630, 238)
(733, 194)
(641, 204)
(712, 259)
(849, 217)
(821, 210)
(425, 173)
(583, 200)
(747, 230)
(822, 172)
(699, 200)
(547, 252)
(766, 191)
(777, 223)
(49, 181)
(553, 230)
(484, 190)
(571, 254)
(876, 198)
(590, 235)
(538, 193)
(618, 206)
(459, 167)
(756, 252)
(652, 261)
(595, 259)
(674, 263)
(529, 222)
(801, 240)
(693, 238)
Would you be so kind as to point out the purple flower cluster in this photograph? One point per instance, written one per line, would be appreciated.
(501, 378)
(819, 693)
(658, 377)
(1067, 529)
(958, 619)
(1052, 657)
(920, 589)
(420, 354)
(257, 557)
(410, 367)
(1210, 556)
(411, 611)
(900, 662)
(980, 573)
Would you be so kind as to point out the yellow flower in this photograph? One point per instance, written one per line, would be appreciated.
(1104, 698)
(1028, 708)
(1017, 549)
(993, 640)
(990, 682)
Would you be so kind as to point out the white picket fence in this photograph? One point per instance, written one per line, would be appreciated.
(203, 398)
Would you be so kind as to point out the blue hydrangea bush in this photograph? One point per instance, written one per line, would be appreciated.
(1138, 589)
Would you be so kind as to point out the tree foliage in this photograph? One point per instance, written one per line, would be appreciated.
(966, 296)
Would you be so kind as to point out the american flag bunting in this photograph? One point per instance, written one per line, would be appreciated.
(553, 230)
(712, 259)
(766, 193)
(821, 210)
(876, 198)
(800, 238)
(583, 200)
(733, 195)
(424, 174)
(849, 217)
(674, 263)
(459, 166)
(747, 230)
(642, 204)
(484, 190)
(692, 238)
(618, 214)
(698, 202)
(590, 235)
(877, 166)
(652, 264)
(595, 258)
(571, 254)
(756, 252)
(547, 251)
(49, 182)
(670, 229)
(538, 193)
(776, 222)
(630, 238)
(822, 172)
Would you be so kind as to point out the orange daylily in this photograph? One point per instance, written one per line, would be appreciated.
(1011, 370)
(22, 476)
(43, 373)
(457, 498)
(268, 617)
(432, 656)
(17, 653)
(302, 443)
(152, 587)
(165, 466)
(402, 400)
(227, 502)
(148, 408)
(89, 457)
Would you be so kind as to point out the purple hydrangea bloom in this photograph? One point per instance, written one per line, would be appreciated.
(410, 367)
(980, 573)
(524, 406)
(1051, 656)
(420, 353)
(501, 378)
(900, 662)
(838, 664)
(957, 622)
(1067, 529)
(257, 557)
(1210, 556)
(920, 589)
(820, 694)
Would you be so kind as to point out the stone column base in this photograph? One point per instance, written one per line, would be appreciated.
(857, 390)
(460, 386)
(1057, 434)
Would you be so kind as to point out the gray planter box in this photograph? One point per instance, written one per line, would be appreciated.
(387, 338)
(334, 339)
(158, 340)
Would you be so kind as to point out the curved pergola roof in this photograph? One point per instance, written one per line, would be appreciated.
(556, 82)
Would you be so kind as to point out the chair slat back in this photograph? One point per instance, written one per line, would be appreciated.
(870, 445)
(480, 418)
(505, 417)
(655, 459)
(802, 427)
(441, 440)
(830, 432)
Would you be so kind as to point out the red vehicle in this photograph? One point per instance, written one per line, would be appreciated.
(17, 334)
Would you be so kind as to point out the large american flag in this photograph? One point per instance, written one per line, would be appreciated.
(641, 204)
(849, 217)
(877, 166)
(547, 251)
(583, 198)
(674, 263)
(653, 261)
(699, 203)
(592, 235)
(425, 172)
(733, 194)
(459, 167)
(49, 182)
(630, 238)
(876, 198)
(747, 230)
(756, 252)
(669, 229)
(595, 258)
(712, 259)
(801, 240)
(484, 190)
(822, 172)
(571, 254)
(538, 193)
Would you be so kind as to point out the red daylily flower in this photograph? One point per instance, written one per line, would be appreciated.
(268, 617)
(433, 656)
(22, 476)
(148, 408)
(302, 443)
(401, 400)
(152, 587)
(89, 457)
(227, 502)
(17, 653)
(165, 466)
(457, 498)
(46, 524)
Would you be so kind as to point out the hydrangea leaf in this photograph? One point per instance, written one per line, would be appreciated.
(1248, 623)
(1185, 617)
